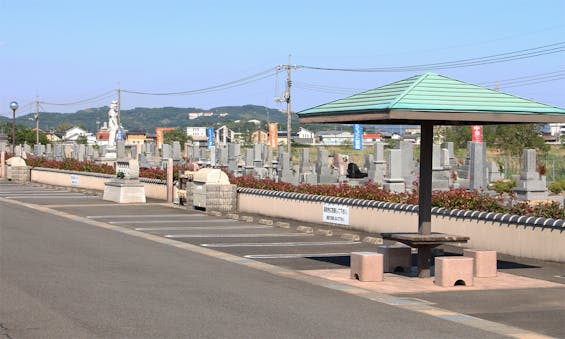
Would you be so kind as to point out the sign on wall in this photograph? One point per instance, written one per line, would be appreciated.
(335, 214)
(74, 180)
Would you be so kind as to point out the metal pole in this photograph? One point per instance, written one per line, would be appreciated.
(13, 131)
(37, 122)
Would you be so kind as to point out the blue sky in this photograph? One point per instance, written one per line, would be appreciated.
(66, 51)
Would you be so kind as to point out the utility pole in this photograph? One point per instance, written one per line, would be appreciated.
(286, 97)
(36, 116)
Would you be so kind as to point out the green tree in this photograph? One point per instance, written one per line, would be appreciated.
(177, 134)
(28, 136)
(510, 139)
(82, 139)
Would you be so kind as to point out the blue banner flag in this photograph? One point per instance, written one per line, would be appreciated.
(210, 133)
(357, 137)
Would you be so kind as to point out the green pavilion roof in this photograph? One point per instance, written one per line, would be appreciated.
(436, 98)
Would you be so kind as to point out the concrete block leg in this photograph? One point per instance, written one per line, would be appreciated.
(367, 266)
(453, 271)
(397, 258)
(485, 262)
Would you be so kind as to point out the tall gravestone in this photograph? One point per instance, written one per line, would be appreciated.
(440, 174)
(323, 167)
(177, 153)
(408, 167)
(477, 166)
(394, 181)
(376, 170)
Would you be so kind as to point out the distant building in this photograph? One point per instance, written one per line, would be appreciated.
(197, 133)
(305, 137)
(73, 133)
(557, 130)
(196, 115)
(224, 135)
(254, 121)
(135, 138)
(334, 137)
(371, 138)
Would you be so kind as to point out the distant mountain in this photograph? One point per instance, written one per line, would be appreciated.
(142, 118)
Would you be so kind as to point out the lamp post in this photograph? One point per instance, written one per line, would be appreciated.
(14, 106)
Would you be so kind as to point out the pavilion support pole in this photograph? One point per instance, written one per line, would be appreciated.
(425, 197)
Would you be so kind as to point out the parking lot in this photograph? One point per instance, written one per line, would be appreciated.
(284, 246)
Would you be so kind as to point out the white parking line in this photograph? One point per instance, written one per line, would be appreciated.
(145, 216)
(282, 244)
(244, 235)
(35, 196)
(294, 256)
(171, 221)
(145, 229)
(33, 192)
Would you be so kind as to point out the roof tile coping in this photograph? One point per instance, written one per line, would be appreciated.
(457, 213)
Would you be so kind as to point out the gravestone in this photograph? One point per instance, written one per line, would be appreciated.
(177, 153)
(233, 156)
(530, 185)
(27, 148)
(120, 150)
(58, 150)
(323, 167)
(222, 155)
(440, 174)
(286, 173)
(408, 166)
(477, 166)
(257, 155)
(376, 170)
(393, 180)
(494, 172)
(249, 159)
(166, 152)
(81, 150)
(49, 151)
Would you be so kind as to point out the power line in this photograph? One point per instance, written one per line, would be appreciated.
(82, 101)
(236, 83)
(496, 58)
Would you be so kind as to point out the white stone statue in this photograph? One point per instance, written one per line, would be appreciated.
(113, 123)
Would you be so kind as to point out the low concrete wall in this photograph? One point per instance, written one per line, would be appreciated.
(154, 189)
(538, 238)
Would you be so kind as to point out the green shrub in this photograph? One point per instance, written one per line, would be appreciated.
(504, 186)
(557, 187)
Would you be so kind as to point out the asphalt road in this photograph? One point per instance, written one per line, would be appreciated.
(61, 277)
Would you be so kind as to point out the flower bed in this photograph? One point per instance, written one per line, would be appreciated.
(453, 199)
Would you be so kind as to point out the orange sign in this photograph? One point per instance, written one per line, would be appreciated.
(159, 135)
(477, 133)
(273, 135)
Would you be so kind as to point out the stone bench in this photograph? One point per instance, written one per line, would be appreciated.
(366, 266)
(452, 271)
(396, 258)
(484, 262)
